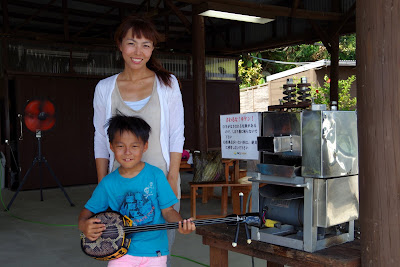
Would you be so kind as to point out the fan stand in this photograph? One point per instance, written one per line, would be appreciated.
(39, 159)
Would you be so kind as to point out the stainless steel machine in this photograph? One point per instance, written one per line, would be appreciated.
(306, 190)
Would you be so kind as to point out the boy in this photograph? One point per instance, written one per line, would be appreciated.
(138, 190)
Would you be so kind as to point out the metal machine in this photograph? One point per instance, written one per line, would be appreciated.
(306, 190)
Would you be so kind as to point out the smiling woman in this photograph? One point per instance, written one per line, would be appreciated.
(136, 51)
(147, 90)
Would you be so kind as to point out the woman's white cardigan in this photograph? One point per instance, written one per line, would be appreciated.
(171, 124)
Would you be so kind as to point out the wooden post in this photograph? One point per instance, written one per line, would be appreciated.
(4, 58)
(334, 42)
(273, 264)
(378, 98)
(218, 257)
(199, 82)
(334, 72)
(331, 42)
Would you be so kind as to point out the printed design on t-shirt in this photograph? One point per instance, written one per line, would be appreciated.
(149, 190)
(139, 206)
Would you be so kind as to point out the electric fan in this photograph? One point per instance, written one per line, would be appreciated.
(39, 115)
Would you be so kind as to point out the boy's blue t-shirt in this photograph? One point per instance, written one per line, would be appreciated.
(141, 198)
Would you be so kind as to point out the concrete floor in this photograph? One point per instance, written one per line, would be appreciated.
(36, 233)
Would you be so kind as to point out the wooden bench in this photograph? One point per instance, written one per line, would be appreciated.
(220, 236)
(233, 177)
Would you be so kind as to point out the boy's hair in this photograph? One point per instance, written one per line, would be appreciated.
(132, 124)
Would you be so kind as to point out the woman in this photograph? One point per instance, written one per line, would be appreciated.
(145, 89)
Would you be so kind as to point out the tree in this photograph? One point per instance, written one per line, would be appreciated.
(346, 102)
(347, 47)
(296, 53)
(250, 69)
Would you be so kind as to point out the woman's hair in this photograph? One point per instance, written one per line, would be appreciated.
(143, 27)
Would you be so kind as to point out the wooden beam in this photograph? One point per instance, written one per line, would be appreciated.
(94, 22)
(243, 34)
(271, 10)
(323, 35)
(155, 11)
(378, 112)
(66, 29)
(166, 28)
(331, 42)
(334, 44)
(180, 15)
(295, 5)
(217, 32)
(36, 37)
(54, 21)
(6, 22)
(34, 15)
(109, 3)
(5, 91)
(271, 43)
(168, 11)
(73, 24)
(60, 10)
(199, 83)
(141, 6)
(86, 43)
(350, 13)
(158, 4)
(334, 71)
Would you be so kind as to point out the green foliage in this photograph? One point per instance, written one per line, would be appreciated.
(346, 102)
(347, 47)
(250, 71)
(250, 68)
(296, 53)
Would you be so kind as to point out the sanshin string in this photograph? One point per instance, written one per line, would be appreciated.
(166, 226)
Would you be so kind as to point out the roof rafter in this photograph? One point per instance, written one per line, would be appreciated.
(180, 15)
(94, 22)
(45, 7)
(60, 10)
(110, 3)
(65, 16)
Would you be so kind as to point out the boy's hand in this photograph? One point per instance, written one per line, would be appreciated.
(186, 226)
(92, 228)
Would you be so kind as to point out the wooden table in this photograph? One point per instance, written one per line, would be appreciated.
(184, 166)
(220, 236)
(224, 197)
(231, 163)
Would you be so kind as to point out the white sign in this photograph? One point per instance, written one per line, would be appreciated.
(239, 134)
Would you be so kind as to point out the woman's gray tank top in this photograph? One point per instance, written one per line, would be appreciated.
(151, 113)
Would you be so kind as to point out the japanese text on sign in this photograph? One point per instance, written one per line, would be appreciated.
(239, 134)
